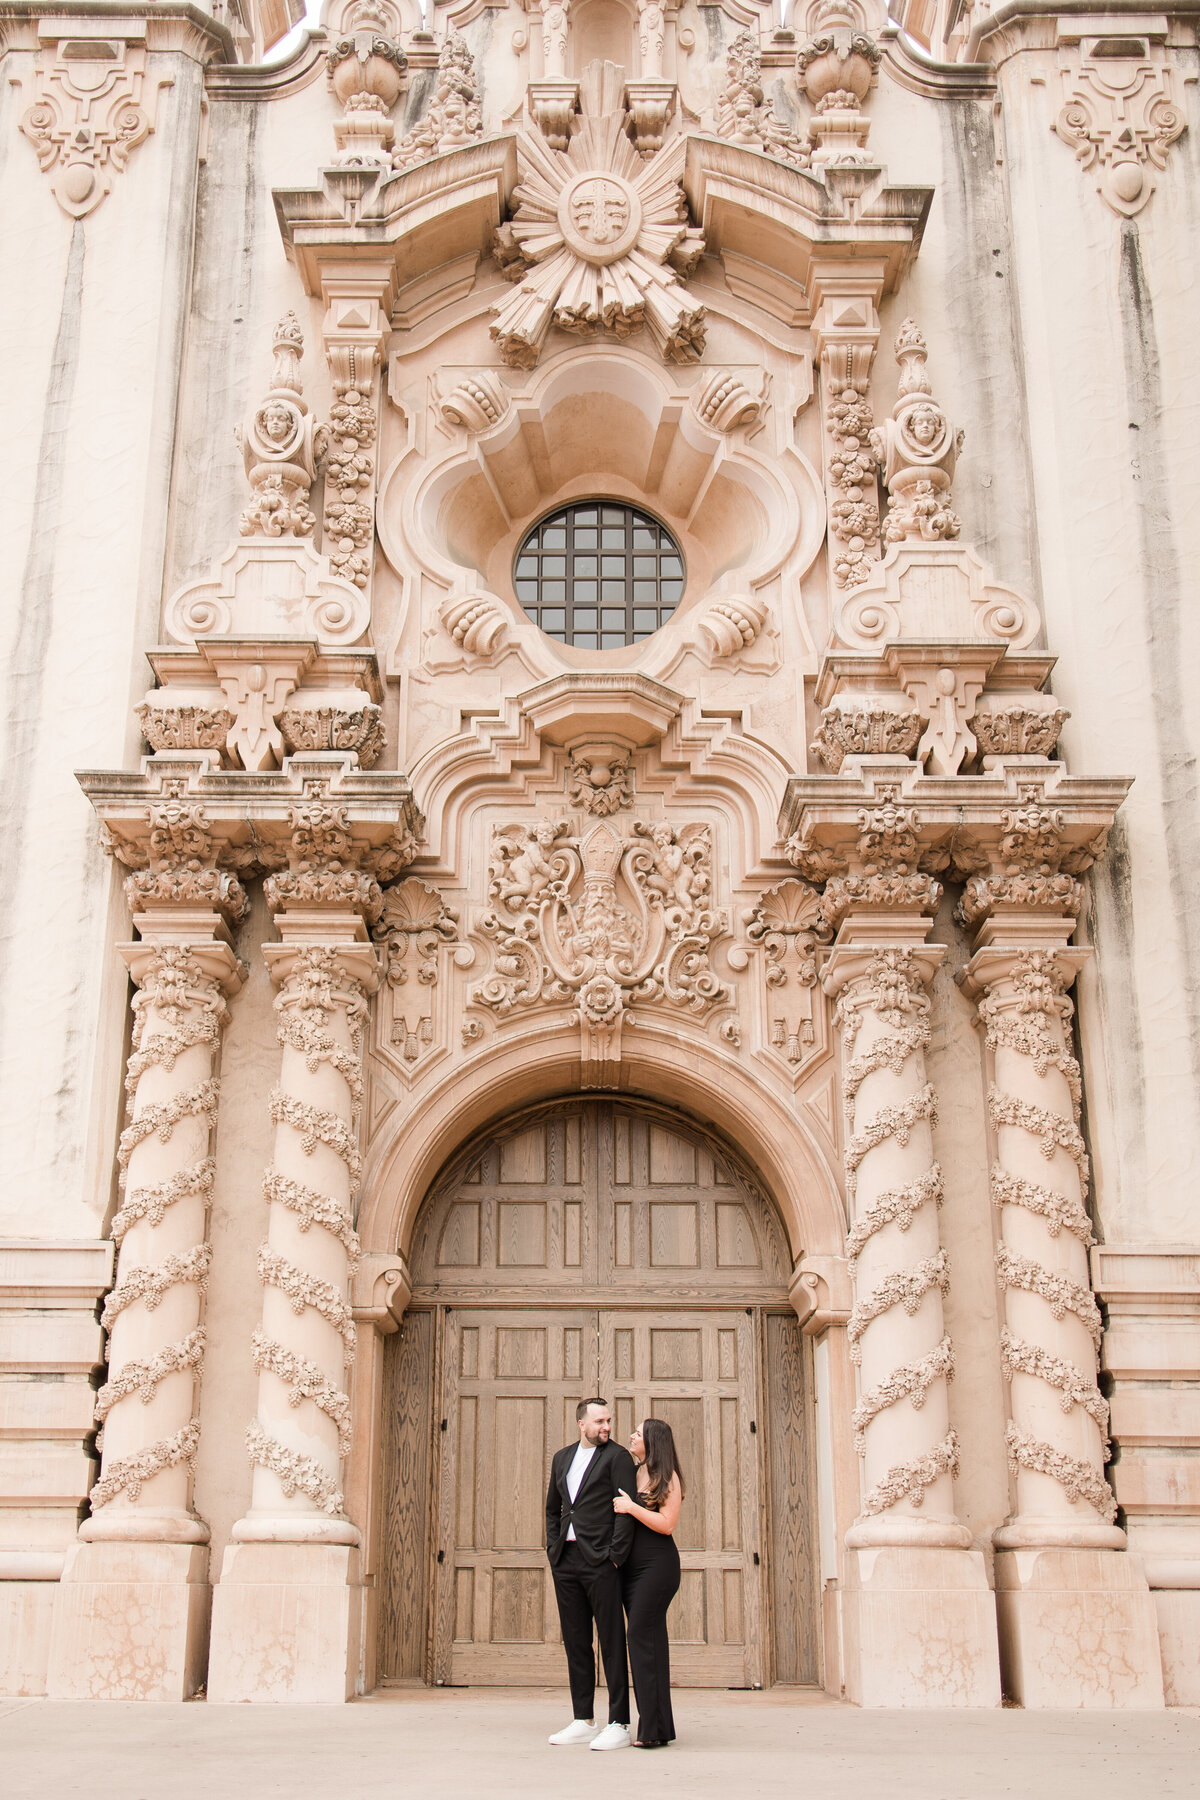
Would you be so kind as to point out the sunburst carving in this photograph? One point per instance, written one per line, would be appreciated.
(599, 238)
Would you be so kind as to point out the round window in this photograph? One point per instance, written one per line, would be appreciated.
(599, 575)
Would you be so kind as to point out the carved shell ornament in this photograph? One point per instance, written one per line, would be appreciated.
(595, 227)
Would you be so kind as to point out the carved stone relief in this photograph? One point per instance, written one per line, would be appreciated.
(93, 106)
(786, 925)
(598, 238)
(273, 581)
(413, 926)
(1119, 115)
(602, 920)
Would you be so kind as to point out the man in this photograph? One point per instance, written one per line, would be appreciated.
(587, 1543)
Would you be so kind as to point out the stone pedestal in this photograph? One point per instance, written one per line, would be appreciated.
(919, 1628)
(1178, 1613)
(131, 1622)
(286, 1624)
(1077, 1629)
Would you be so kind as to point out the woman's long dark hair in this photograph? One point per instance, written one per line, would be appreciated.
(661, 1462)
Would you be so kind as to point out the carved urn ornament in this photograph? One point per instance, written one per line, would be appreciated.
(367, 72)
(836, 70)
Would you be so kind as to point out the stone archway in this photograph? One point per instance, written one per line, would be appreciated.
(607, 1246)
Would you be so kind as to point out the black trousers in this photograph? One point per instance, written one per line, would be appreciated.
(650, 1580)
(585, 1594)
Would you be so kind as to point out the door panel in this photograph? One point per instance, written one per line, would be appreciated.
(511, 1383)
(697, 1374)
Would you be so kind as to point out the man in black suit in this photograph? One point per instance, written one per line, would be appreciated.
(586, 1543)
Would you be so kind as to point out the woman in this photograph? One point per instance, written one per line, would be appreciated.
(650, 1578)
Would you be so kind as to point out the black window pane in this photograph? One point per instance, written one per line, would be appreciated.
(599, 602)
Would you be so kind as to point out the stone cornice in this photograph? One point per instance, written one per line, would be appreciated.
(270, 81)
(248, 817)
(181, 28)
(751, 205)
(1039, 24)
(422, 218)
(916, 70)
(958, 821)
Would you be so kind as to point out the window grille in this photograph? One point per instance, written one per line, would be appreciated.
(599, 575)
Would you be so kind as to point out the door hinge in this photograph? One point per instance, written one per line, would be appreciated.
(442, 1556)
(444, 1423)
(753, 1427)
(756, 1562)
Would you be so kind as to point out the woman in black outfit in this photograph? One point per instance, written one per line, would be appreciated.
(650, 1578)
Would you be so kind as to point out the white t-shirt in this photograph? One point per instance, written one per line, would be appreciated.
(575, 1474)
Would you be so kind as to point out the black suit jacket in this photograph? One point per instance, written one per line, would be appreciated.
(602, 1534)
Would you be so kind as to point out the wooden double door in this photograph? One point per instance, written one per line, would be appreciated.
(511, 1384)
(674, 1315)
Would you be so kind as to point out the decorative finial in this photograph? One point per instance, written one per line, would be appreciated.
(917, 448)
(281, 445)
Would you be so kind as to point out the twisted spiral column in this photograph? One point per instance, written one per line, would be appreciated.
(1057, 1431)
(305, 1339)
(896, 1329)
(146, 1407)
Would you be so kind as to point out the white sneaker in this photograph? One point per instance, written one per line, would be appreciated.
(579, 1731)
(613, 1737)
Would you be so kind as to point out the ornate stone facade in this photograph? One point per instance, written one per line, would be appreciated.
(753, 798)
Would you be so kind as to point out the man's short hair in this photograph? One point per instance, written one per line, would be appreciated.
(581, 1409)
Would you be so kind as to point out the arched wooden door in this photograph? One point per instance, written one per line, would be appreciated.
(596, 1248)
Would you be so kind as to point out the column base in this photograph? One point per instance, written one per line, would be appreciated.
(286, 1624)
(1077, 1630)
(919, 1628)
(130, 1623)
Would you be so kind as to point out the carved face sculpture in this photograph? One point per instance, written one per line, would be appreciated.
(925, 427)
(277, 425)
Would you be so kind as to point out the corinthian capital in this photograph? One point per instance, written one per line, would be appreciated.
(867, 857)
(174, 861)
(1029, 859)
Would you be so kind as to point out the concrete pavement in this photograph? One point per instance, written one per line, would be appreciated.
(474, 1744)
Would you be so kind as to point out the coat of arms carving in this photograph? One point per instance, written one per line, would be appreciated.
(601, 920)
